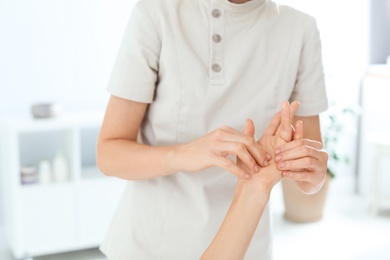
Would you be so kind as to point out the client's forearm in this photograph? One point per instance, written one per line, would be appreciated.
(239, 225)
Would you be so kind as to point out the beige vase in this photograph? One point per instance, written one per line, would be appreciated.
(300, 207)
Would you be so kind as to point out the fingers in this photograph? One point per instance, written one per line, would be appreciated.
(296, 143)
(307, 163)
(298, 176)
(282, 121)
(241, 151)
(231, 135)
(242, 166)
(230, 166)
(304, 157)
(299, 151)
(231, 141)
(249, 128)
(273, 126)
(250, 154)
(258, 152)
(309, 182)
(293, 109)
(298, 134)
(286, 130)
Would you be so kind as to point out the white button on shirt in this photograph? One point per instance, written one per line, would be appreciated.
(217, 38)
(170, 57)
(216, 13)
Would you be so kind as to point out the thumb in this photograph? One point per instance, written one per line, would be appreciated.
(249, 128)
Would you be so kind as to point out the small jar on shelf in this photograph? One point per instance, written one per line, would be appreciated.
(60, 168)
(45, 171)
(28, 175)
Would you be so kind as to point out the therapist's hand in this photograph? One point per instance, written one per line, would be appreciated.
(213, 150)
(304, 161)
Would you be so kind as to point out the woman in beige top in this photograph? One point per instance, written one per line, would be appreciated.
(187, 75)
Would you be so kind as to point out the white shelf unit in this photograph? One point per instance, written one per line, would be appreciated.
(42, 219)
(375, 117)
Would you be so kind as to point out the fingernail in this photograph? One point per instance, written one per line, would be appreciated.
(277, 151)
(266, 163)
(269, 157)
(256, 168)
(246, 176)
(278, 158)
(286, 174)
(282, 165)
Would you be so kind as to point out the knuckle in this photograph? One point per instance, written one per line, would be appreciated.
(219, 133)
(241, 147)
(250, 140)
(228, 163)
(252, 162)
(262, 141)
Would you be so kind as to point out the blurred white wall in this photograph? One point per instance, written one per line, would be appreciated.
(60, 50)
(344, 30)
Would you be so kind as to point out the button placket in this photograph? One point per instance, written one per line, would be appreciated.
(216, 45)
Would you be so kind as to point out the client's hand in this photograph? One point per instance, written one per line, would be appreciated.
(279, 132)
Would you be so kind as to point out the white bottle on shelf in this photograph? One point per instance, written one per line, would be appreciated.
(45, 172)
(60, 168)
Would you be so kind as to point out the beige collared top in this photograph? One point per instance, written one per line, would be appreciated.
(202, 64)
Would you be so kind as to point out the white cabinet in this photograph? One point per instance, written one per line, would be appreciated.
(375, 117)
(54, 217)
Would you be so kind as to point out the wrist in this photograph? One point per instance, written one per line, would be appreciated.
(171, 159)
(251, 192)
(175, 158)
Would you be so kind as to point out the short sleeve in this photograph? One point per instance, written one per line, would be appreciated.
(135, 70)
(310, 89)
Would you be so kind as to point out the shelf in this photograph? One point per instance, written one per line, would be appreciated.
(91, 173)
(375, 91)
(42, 218)
(46, 186)
(25, 122)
